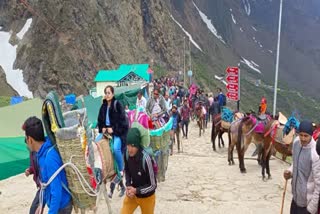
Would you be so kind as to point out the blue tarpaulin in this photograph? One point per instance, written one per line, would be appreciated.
(16, 100)
(70, 99)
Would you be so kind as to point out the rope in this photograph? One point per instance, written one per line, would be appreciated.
(249, 132)
(80, 178)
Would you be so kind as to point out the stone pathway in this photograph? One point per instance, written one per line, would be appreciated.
(198, 181)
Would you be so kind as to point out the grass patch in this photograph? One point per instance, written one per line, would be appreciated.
(4, 101)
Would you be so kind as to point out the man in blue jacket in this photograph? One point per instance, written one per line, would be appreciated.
(221, 98)
(56, 195)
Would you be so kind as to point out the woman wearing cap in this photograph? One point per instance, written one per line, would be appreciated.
(112, 120)
(305, 172)
(140, 177)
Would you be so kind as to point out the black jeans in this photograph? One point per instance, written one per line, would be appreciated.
(35, 203)
(295, 209)
(185, 123)
(66, 210)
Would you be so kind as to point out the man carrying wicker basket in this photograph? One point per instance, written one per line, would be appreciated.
(55, 195)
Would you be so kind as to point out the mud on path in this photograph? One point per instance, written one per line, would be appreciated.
(197, 181)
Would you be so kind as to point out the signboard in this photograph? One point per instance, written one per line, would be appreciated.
(233, 79)
(233, 96)
(233, 71)
(233, 83)
(189, 73)
(232, 87)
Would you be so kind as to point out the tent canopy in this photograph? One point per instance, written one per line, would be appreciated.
(12, 117)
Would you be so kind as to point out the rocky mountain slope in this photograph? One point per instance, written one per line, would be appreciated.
(5, 88)
(69, 41)
(249, 28)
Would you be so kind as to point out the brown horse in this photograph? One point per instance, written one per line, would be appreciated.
(200, 118)
(219, 127)
(271, 140)
(248, 133)
(217, 130)
(233, 137)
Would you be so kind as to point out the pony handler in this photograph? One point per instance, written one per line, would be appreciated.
(305, 172)
(55, 195)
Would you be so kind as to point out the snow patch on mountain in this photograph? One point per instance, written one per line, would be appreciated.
(209, 24)
(255, 64)
(255, 29)
(233, 19)
(254, 39)
(247, 6)
(251, 64)
(221, 79)
(24, 29)
(187, 33)
(8, 55)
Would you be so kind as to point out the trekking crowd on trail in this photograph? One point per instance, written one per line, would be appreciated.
(167, 100)
(134, 163)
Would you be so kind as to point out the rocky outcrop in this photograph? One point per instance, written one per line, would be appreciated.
(5, 88)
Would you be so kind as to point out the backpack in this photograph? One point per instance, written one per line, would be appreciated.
(126, 115)
(149, 152)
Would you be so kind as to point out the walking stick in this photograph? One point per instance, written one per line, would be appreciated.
(283, 196)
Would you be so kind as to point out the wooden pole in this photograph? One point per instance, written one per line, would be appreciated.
(283, 196)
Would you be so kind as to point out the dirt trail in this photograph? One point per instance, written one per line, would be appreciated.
(198, 181)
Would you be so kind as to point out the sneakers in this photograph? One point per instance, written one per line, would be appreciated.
(122, 191)
(110, 195)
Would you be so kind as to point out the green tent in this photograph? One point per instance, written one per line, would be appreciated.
(12, 117)
(127, 95)
(14, 158)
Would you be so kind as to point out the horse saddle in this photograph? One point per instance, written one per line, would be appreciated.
(225, 124)
(259, 124)
(259, 127)
(282, 138)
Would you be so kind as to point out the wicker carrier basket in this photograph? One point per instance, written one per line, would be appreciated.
(71, 148)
